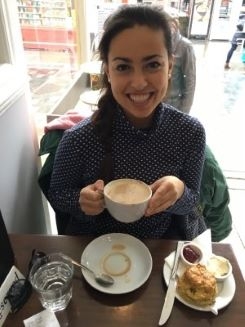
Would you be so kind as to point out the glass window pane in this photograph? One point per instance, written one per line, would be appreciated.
(48, 29)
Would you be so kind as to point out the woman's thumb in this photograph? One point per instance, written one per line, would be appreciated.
(99, 185)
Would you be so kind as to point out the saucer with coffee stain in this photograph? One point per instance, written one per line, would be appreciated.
(122, 256)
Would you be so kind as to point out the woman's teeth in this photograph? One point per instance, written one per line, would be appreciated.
(139, 97)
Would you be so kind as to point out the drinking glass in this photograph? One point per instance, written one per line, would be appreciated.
(51, 277)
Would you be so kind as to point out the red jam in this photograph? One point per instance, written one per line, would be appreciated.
(190, 254)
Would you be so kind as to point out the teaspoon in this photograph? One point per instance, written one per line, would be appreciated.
(102, 279)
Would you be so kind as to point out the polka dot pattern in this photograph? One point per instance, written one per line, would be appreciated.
(173, 146)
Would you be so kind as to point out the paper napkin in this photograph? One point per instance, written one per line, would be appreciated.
(204, 240)
(45, 318)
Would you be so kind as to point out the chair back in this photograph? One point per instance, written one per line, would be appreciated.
(6, 252)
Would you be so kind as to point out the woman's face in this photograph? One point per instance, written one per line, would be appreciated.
(138, 70)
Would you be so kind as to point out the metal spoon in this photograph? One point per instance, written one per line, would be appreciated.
(102, 279)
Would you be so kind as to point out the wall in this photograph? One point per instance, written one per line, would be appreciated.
(20, 197)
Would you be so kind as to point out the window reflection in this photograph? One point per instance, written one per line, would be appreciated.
(49, 35)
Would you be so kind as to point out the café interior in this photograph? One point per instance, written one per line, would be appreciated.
(60, 81)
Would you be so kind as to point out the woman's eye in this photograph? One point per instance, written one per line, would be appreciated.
(154, 65)
(122, 67)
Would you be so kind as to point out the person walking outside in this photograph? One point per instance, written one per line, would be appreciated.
(234, 44)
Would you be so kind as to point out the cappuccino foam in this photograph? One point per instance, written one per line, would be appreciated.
(128, 192)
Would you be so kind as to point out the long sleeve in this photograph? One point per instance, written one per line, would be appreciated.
(214, 198)
(189, 81)
(72, 168)
(173, 146)
(183, 81)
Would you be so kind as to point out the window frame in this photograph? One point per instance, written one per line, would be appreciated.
(13, 75)
(10, 35)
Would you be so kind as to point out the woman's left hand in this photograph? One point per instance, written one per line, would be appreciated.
(166, 191)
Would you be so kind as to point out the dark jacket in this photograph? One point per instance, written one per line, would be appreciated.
(48, 145)
(214, 194)
(236, 36)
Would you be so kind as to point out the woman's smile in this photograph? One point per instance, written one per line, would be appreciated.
(139, 98)
(138, 68)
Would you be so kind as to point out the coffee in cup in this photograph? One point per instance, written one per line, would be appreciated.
(127, 199)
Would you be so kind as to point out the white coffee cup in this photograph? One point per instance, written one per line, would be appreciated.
(127, 199)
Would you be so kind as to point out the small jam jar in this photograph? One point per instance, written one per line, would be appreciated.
(191, 253)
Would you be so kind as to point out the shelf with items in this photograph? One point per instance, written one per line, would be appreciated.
(48, 13)
(48, 25)
(57, 39)
(44, 34)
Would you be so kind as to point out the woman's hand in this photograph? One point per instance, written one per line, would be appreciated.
(166, 191)
(91, 198)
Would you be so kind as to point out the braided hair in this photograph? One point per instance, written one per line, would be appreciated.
(123, 18)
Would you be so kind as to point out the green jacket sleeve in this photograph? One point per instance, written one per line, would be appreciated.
(48, 145)
(214, 198)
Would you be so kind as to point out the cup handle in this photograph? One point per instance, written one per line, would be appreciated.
(101, 192)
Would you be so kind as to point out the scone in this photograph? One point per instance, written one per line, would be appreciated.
(197, 286)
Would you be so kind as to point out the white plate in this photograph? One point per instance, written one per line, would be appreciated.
(226, 291)
(122, 256)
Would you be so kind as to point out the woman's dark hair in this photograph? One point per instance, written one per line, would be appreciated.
(124, 17)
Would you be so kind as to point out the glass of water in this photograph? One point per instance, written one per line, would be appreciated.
(51, 277)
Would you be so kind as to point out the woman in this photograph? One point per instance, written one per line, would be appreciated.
(183, 81)
(134, 135)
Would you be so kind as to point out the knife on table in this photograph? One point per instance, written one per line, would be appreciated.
(170, 296)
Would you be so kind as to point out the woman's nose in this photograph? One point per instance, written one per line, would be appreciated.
(138, 80)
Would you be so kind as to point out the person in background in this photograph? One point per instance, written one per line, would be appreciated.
(133, 134)
(214, 192)
(234, 44)
(183, 80)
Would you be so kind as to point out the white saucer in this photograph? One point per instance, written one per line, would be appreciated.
(122, 256)
(226, 292)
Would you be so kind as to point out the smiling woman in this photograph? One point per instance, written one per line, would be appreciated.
(132, 135)
(139, 82)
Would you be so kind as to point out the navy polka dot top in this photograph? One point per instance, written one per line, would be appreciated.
(174, 145)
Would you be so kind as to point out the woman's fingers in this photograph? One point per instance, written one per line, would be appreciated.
(166, 191)
(91, 198)
(159, 205)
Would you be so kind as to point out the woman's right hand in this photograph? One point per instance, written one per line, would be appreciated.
(91, 198)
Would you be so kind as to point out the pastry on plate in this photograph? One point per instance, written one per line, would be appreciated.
(197, 286)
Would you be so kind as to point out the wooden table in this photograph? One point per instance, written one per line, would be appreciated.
(141, 307)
